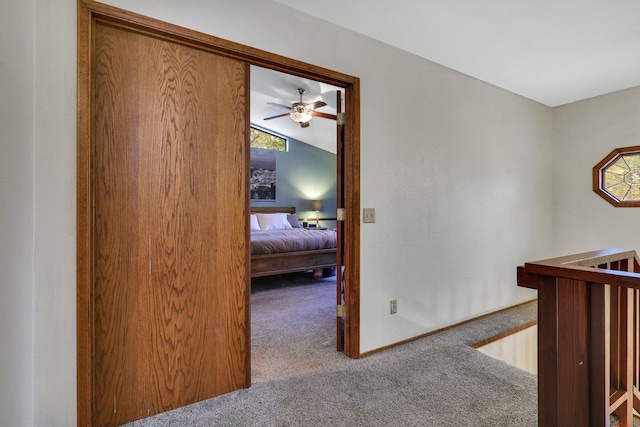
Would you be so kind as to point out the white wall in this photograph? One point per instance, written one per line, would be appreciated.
(459, 173)
(584, 133)
(37, 213)
(16, 213)
(55, 225)
(461, 183)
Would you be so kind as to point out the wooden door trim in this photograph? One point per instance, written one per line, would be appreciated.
(90, 11)
(351, 247)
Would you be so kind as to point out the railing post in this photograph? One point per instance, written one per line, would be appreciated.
(588, 336)
(547, 352)
(571, 366)
(599, 376)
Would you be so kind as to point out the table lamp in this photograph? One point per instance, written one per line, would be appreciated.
(316, 205)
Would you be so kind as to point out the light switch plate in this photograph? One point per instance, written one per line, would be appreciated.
(394, 306)
(369, 215)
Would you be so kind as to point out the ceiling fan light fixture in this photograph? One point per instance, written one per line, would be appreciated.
(301, 114)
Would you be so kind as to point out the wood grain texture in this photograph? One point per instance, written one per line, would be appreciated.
(117, 227)
(351, 235)
(170, 231)
(573, 363)
(588, 336)
(292, 262)
(563, 354)
(90, 14)
(273, 209)
(599, 356)
(547, 352)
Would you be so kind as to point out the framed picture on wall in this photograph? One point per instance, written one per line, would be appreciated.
(263, 177)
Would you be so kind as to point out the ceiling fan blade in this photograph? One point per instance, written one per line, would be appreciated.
(317, 104)
(324, 115)
(305, 124)
(288, 107)
(275, 117)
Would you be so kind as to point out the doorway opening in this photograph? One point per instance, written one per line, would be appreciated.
(305, 176)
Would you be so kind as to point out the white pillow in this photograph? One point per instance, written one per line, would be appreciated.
(276, 221)
(254, 223)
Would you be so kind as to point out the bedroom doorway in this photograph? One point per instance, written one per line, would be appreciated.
(307, 172)
(162, 213)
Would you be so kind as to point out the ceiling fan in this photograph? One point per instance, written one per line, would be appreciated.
(302, 112)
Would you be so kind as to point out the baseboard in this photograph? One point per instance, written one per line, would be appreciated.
(504, 334)
(408, 340)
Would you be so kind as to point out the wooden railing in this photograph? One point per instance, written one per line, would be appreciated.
(588, 337)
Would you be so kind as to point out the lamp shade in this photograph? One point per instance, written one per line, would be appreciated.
(316, 205)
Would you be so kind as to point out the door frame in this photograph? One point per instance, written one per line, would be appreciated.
(88, 12)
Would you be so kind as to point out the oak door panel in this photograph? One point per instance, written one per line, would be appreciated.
(170, 200)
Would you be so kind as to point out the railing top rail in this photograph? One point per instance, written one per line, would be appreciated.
(584, 267)
(591, 259)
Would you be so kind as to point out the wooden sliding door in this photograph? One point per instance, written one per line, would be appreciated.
(169, 185)
(162, 220)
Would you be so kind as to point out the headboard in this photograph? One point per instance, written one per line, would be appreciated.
(273, 209)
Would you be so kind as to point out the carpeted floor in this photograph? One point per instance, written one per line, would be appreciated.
(292, 327)
(300, 380)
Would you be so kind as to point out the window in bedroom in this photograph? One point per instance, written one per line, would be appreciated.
(262, 138)
(617, 177)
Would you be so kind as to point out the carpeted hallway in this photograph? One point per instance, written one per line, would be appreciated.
(300, 380)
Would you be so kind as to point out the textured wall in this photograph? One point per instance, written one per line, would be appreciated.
(584, 133)
(16, 213)
(55, 210)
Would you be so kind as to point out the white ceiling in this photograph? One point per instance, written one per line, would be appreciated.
(552, 51)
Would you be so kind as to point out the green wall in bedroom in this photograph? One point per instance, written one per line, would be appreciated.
(304, 173)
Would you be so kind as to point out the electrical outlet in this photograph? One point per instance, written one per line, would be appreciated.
(368, 215)
(394, 306)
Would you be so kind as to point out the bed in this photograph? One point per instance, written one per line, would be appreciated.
(278, 249)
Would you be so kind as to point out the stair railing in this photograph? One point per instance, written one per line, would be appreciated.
(588, 337)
